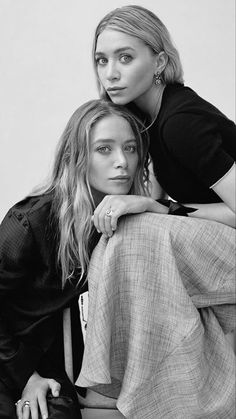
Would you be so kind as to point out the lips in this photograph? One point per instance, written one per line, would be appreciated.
(114, 89)
(120, 180)
(121, 177)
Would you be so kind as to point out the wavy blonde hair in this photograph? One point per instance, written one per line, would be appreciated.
(73, 203)
(143, 24)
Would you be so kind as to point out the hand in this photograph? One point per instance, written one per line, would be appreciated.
(35, 393)
(119, 205)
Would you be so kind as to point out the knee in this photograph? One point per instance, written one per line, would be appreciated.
(147, 226)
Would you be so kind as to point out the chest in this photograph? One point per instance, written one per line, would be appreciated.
(178, 182)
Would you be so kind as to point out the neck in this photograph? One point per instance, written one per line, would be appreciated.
(150, 102)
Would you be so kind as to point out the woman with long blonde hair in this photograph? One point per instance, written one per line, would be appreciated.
(45, 244)
(167, 284)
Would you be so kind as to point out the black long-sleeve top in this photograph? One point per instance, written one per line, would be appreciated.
(31, 295)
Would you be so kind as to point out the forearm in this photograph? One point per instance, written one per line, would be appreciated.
(154, 206)
(217, 212)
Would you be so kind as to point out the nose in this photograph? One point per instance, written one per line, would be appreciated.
(120, 160)
(112, 71)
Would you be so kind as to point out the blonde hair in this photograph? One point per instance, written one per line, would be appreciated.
(143, 24)
(73, 203)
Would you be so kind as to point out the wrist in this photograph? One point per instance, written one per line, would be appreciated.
(175, 208)
(157, 207)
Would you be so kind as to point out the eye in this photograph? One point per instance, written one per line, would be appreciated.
(125, 58)
(103, 149)
(101, 61)
(132, 148)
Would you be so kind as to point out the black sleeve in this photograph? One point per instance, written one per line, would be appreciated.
(197, 144)
(17, 361)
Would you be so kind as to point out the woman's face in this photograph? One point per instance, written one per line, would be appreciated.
(113, 156)
(125, 67)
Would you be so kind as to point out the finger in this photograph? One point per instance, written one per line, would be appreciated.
(34, 409)
(99, 214)
(26, 411)
(55, 387)
(95, 221)
(101, 226)
(98, 218)
(114, 220)
(43, 407)
(107, 225)
(19, 412)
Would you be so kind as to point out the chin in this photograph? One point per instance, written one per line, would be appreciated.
(121, 192)
(120, 101)
(117, 191)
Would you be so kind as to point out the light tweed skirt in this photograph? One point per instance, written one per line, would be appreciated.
(161, 298)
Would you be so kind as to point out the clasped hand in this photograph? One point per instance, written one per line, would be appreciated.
(33, 399)
(112, 207)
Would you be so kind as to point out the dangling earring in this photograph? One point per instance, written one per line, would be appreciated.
(157, 78)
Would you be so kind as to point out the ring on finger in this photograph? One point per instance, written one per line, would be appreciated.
(26, 403)
(18, 401)
(109, 212)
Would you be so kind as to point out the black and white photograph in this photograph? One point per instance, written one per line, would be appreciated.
(117, 214)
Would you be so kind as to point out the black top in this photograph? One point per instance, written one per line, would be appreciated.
(31, 295)
(192, 145)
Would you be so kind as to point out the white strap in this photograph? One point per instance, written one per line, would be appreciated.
(67, 338)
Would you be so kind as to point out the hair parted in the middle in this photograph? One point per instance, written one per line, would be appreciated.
(73, 203)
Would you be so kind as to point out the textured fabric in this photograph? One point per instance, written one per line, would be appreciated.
(31, 295)
(192, 145)
(161, 298)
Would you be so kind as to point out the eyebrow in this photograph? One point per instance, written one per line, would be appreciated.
(111, 140)
(117, 51)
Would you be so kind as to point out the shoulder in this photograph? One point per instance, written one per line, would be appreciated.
(178, 94)
(180, 101)
(25, 224)
(28, 212)
(186, 118)
(178, 98)
(33, 207)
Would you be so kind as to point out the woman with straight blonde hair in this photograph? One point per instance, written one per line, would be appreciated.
(192, 144)
(166, 284)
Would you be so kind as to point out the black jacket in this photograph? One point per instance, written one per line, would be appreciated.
(31, 296)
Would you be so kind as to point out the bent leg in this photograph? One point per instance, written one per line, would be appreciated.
(199, 255)
(149, 288)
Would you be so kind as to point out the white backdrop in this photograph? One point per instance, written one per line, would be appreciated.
(46, 72)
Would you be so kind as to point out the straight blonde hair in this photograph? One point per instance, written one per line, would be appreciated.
(143, 24)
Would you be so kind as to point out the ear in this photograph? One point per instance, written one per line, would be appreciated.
(161, 61)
